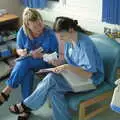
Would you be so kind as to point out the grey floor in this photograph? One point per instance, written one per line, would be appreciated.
(45, 112)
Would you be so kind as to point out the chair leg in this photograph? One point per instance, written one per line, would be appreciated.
(96, 100)
(82, 112)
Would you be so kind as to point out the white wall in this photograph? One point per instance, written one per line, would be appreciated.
(87, 12)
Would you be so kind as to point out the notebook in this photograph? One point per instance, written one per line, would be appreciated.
(44, 71)
(77, 83)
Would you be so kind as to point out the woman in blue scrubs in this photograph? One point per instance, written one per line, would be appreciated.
(80, 55)
(36, 39)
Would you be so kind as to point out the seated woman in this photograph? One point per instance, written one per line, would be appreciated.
(32, 36)
(80, 54)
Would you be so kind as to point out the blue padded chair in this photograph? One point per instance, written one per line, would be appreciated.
(109, 50)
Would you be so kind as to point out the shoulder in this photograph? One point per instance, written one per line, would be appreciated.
(21, 35)
(20, 31)
(84, 40)
(49, 31)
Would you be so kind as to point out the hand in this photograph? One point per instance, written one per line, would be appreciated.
(58, 69)
(22, 52)
(36, 54)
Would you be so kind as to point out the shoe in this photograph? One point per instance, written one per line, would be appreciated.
(5, 97)
(19, 108)
(15, 109)
(24, 116)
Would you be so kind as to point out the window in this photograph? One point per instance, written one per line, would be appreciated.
(53, 0)
(55, 4)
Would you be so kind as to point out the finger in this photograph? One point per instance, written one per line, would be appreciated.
(57, 70)
(25, 50)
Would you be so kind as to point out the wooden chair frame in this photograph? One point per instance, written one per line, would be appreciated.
(98, 99)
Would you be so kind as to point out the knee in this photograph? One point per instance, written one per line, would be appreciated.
(20, 65)
(51, 77)
(49, 80)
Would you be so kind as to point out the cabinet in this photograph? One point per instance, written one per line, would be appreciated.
(9, 24)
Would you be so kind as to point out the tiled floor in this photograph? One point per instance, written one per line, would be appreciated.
(45, 112)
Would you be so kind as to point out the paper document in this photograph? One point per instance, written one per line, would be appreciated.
(78, 83)
(44, 70)
(40, 49)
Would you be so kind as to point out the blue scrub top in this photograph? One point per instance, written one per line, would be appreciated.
(85, 55)
(47, 41)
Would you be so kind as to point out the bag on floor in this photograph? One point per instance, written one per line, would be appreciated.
(115, 102)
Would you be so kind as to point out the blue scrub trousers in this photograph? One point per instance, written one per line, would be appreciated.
(54, 87)
(23, 73)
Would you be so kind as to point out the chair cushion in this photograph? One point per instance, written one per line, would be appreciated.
(109, 50)
(74, 99)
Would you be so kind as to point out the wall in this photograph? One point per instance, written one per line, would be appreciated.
(12, 6)
(87, 12)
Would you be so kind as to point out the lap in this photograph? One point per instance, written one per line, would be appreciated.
(61, 85)
(30, 63)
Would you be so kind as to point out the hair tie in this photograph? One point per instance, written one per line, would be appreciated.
(75, 22)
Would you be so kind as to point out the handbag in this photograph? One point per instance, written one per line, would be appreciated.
(115, 102)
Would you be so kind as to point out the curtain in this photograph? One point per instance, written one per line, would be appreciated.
(35, 3)
(111, 11)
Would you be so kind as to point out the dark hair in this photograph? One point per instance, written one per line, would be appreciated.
(65, 23)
